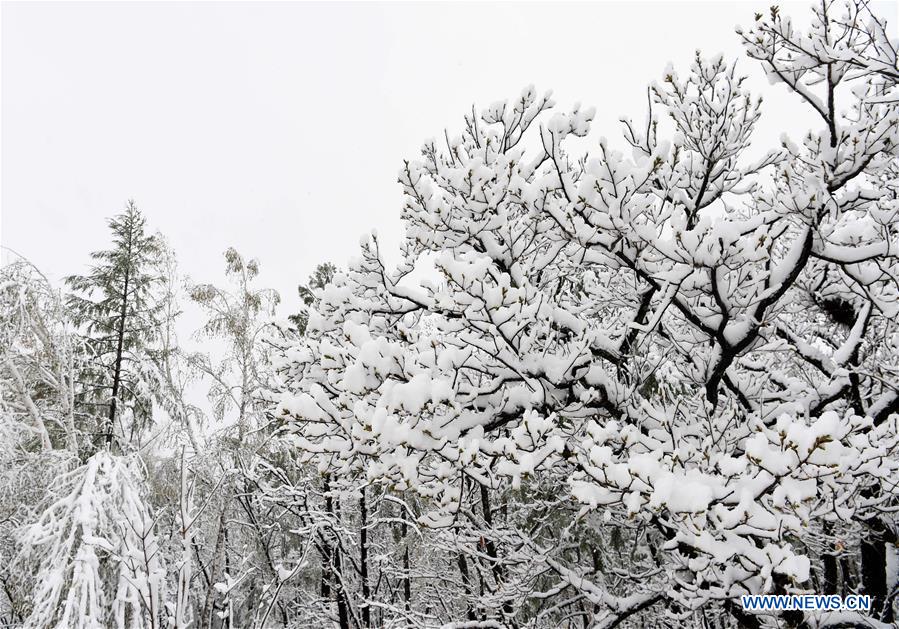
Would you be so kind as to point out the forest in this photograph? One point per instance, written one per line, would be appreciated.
(637, 379)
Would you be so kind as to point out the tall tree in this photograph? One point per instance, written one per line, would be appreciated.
(240, 318)
(118, 308)
(658, 379)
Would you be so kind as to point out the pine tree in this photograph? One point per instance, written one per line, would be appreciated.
(117, 307)
(320, 278)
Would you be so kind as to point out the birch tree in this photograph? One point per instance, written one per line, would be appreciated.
(240, 319)
(41, 358)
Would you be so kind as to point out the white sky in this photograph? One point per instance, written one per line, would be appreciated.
(279, 128)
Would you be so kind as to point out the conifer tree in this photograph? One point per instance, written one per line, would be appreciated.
(119, 312)
(320, 278)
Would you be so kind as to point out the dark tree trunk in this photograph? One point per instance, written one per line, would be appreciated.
(331, 562)
(873, 567)
(325, 589)
(466, 582)
(120, 346)
(342, 608)
(490, 546)
(846, 572)
(829, 559)
(407, 579)
(363, 561)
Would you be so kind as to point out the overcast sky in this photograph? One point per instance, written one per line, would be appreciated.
(279, 128)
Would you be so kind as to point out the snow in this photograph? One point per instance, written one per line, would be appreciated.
(599, 387)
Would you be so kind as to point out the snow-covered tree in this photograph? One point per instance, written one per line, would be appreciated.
(117, 306)
(175, 374)
(609, 384)
(242, 562)
(644, 382)
(240, 318)
(95, 551)
(40, 423)
(41, 358)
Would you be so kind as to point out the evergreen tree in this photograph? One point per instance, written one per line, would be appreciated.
(320, 278)
(118, 309)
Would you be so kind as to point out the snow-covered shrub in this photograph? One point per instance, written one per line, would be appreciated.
(93, 552)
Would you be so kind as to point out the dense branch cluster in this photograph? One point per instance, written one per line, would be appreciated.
(689, 344)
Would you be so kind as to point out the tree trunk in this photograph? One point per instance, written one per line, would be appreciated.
(874, 567)
(490, 546)
(120, 344)
(339, 592)
(182, 600)
(829, 559)
(325, 589)
(466, 582)
(39, 426)
(215, 571)
(332, 577)
(363, 561)
(242, 411)
(407, 579)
